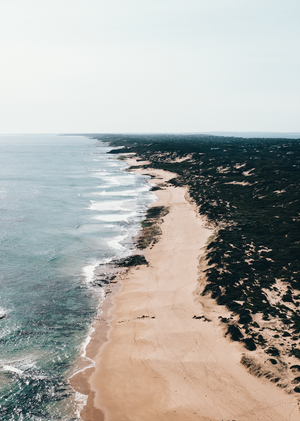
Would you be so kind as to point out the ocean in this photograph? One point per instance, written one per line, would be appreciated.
(67, 205)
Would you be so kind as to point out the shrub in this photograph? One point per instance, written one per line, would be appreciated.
(249, 344)
(234, 332)
(272, 351)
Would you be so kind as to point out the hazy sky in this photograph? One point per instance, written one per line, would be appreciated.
(149, 65)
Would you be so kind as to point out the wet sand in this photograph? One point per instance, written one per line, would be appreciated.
(162, 363)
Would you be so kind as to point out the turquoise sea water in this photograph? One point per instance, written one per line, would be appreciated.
(65, 206)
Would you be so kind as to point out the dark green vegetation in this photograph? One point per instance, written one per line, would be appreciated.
(250, 190)
(103, 279)
(135, 260)
(151, 229)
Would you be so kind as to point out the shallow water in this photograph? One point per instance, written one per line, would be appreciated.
(65, 206)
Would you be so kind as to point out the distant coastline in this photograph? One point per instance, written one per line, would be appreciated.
(257, 135)
(219, 134)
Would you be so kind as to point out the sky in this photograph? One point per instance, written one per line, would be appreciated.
(103, 66)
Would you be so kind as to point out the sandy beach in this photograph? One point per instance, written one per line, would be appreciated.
(166, 357)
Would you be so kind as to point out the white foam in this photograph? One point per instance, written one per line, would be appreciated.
(13, 369)
(80, 401)
(87, 340)
(145, 188)
(98, 171)
(28, 363)
(117, 180)
(108, 205)
(89, 271)
(116, 193)
(115, 243)
(107, 179)
(115, 218)
(20, 366)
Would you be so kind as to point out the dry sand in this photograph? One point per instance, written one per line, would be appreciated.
(168, 365)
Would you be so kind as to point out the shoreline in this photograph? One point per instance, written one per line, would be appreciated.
(169, 382)
(79, 381)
